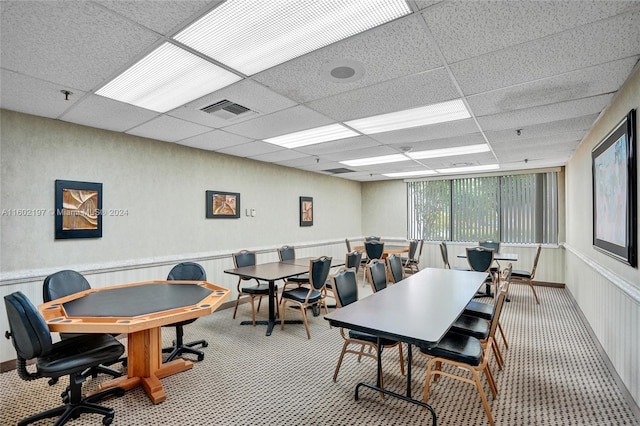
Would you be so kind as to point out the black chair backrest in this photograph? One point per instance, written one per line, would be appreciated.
(480, 258)
(413, 247)
(244, 258)
(353, 260)
(286, 253)
(378, 271)
(345, 286)
(420, 250)
(372, 238)
(493, 245)
(63, 283)
(395, 267)
(374, 249)
(187, 271)
(445, 255)
(319, 271)
(30, 335)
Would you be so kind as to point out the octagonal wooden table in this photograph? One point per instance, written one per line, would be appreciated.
(139, 310)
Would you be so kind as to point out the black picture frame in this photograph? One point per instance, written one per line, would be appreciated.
(306, 211)
(78, 209)
(614, 188)
(222, 205)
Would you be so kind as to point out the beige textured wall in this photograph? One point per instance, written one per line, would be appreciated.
(162, 188)
(384, 209)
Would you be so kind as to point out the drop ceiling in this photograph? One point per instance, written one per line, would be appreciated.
(545, 69)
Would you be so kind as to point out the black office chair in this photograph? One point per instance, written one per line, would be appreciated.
(345, 287)
(31, 339)
(64, 283)
(377, 273)
(300, 298)
(248, 258)
(395, 268)
(186, 271)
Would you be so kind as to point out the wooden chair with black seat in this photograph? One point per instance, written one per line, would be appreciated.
(377, 275)
(31, 339)
(185, 271)
(395, 268)
(461, 352)
(351, 261)
(64, 283)
(483, 329)
(289, 253)
(480, 259)
(374, 251)
(410, 263)
(249, 258)
(444, 252)
(526, 277)
(301, 298)
(495, 246)
(363, 258)
(345, 286)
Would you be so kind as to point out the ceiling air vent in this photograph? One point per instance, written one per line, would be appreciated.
(225, 109)
(338, 171)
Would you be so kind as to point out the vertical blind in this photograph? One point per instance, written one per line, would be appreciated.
(512, 209)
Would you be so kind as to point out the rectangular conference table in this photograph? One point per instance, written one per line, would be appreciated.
(272, 272)
(418, 310)
(139, 310)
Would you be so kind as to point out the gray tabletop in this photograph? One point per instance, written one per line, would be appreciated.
(418, 310)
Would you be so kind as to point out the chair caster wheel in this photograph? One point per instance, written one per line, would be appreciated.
(106, 420)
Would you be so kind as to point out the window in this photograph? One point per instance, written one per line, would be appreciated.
(520, 208)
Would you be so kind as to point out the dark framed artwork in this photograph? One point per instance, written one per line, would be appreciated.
(615, 216)
(78, 209)
(306, 211)
(223, 205)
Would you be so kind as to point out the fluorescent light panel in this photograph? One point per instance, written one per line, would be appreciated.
(167, 78)
(447, 152)
(421, 116)
(469, 169)
(410, 174)
(251, 36)
(312, 136)
(393, 158)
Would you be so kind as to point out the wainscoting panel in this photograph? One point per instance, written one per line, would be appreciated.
(611, 306)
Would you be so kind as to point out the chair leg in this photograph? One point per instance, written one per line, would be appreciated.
(534, 291)
(304, 319)
(485, 403)
(427, 381)
(497, 354)
(344, 349)
(236, 308)
(491, 380)
(504, 338)
(401, 358)
(259, 302)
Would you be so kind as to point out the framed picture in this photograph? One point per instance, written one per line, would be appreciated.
(306, 211)
(223, 205)
(78, 209)
(615, 191)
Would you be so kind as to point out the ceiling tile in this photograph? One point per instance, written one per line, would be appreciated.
(74, 44)
(214, 140)
(434, 131)
(282, 155)
(598, 43)
(168, 129)
(464, 140)
(394, 95)
(163, 16)
(396, 49)
(543, 130)
(348, 144)
(605, 78)
(34, 96)
(259, 99)
(250, 149)
(104, 113)
(465, 29)
(279, 123)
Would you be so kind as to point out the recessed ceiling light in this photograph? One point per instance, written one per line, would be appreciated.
(469, 169)
(410, 174)
(167, 78)
(251, 36)
(312, 136)
(393, 158)
(421, 116)
(446, 152)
